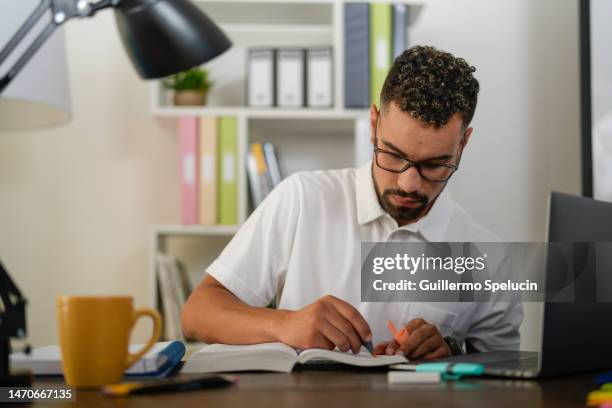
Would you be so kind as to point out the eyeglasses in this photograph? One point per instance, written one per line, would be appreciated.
(396, 163)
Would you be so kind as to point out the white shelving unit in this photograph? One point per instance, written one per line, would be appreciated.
(307, 138)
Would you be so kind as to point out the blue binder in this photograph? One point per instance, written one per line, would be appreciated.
(173, 354)
(356, 55)
(400, 35)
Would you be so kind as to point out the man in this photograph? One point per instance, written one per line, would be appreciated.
(303, 241)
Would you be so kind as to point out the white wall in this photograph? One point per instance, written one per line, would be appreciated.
(526, 139)
(526, 128)
(77, 201)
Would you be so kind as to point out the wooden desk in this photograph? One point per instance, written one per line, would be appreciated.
(322, 389)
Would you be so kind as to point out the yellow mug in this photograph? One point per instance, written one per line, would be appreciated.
(94, 334)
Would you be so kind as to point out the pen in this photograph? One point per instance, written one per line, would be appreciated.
(168, 385)
(368, 345)
(447, 370)
(451, 368)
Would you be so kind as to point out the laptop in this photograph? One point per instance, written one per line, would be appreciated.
(575, 336)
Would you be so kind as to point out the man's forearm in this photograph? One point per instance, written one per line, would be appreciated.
(212, 314)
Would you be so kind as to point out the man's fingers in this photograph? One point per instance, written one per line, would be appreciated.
(416, 338)
(440, 352)
(381, 347)
(338, 338)
(353, 316)
(414, 324)
(344, 326)
(322, 342)
(391, 348)
(430, 344)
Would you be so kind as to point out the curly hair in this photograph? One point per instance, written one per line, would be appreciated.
(431, 85)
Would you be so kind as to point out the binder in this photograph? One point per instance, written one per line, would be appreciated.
(262, 168)
(207, 202)
(319, 83)
(356, 55)
(228, 171)
(380, 47)
(257, 195)
(290, 78)
(400, 35)
(273, 164)
(172, 296)
(261, 67)
(188, 145)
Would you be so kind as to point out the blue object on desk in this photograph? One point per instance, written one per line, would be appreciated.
(451, 371)
(604, 378)
(173, 353)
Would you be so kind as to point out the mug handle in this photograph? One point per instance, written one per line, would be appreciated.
(154, 315)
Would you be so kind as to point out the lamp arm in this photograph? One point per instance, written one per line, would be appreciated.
(38, 12)
(102, 4)
(62, 10)
(27, 55)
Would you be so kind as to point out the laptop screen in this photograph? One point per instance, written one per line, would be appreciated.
(577, 335)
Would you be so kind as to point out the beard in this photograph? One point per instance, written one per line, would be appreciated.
(401, 212)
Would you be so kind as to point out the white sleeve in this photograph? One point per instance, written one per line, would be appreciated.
(256, 259)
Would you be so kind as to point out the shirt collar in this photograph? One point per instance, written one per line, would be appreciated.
(368, 207)
(432, 227)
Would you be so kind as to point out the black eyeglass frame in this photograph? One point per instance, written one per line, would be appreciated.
(409, 163)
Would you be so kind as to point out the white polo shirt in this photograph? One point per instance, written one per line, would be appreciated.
(304, 241)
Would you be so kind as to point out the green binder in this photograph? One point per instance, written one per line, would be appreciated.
(228, 171)
(380, 47)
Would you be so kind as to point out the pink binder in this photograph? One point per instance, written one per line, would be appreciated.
(188, 140)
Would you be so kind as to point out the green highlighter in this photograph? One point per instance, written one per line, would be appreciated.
(451, 371)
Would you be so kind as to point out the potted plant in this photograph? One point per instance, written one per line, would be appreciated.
(190, 87)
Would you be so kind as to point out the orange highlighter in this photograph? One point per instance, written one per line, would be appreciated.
(399, 336)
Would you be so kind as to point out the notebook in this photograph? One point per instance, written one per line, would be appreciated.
(157, 362)
(274, 357)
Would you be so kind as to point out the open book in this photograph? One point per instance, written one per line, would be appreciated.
(274, 357)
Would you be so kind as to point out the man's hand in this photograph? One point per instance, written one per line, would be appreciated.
(424, 342)
(327, 323)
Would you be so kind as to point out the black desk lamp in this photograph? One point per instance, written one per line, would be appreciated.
(162, 37)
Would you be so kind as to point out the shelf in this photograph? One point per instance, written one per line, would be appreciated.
(179, 229)
(301, 113)
(305, 29)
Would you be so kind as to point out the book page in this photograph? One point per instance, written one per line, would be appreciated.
(252, 357)
(363, 359)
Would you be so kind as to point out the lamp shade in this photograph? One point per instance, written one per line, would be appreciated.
(163, 37)
(40, 94)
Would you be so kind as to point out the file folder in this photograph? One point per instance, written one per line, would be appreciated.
(207, 202)
(228, 171)
(380, 47)
(188, 141)
(400, 35)
(356, 55)
(319, 77)
(261, 77)
(290, 79)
